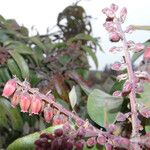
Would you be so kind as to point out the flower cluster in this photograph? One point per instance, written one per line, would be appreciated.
(31, 101)
(132, 80)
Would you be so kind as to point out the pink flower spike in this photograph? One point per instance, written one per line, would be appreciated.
(25, 101)
(116, 66)
(147, 54)
(138, 47)
(123, 14)
(36, 104)
(114, 7)
(9, 88)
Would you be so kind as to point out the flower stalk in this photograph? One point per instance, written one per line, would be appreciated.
(132, 95)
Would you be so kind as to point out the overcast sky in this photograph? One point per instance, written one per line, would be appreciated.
(43, 14)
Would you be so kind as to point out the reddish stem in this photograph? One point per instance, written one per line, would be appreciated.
(131, 76)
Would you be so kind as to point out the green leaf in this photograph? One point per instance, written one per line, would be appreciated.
(21, 63)
(27, 142)
(91, 53)
(103, 108)
(33, 79)
(73, 97)
(64, 59)
(145, 96)
(9, 115)
(117, 86)
(3, 36)
(86, 37)
(4, 74)
(147, 126)
(36, 40)
(13, 67)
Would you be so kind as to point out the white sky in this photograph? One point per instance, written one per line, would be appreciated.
(43, 14)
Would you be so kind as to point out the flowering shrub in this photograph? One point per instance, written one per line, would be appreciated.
(76, 133)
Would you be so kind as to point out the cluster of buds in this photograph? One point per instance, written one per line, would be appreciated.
(69, 138)
(31, 101)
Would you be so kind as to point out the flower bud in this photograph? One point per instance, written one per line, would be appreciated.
(25, 101)
(121, 117)
(123, 14)
(117, 94)
(58, 132)
(114, 37)
(114, 7)
(138, 47)
(101, 140)
(15, 99)
(127, 87)
(108, 12)
(129, 29)
(57, 120)
(9, 88)
(36, 104)
(79, 145)
(116, 66)
(48, 114)
(91, 142)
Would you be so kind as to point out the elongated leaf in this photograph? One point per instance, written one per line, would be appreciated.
(91, 53)
(27, 142)
(73, 97)
(21, 63)
(37, 41)
(9, 115)
(86, 37)
(4, 74)
(13, 67)
(102, 108)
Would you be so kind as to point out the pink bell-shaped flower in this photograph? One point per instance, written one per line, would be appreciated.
(15, 99)
(36, 104)
(48, 114)
(25, 101)
(9, 88)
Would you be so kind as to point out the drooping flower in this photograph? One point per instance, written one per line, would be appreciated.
(36, 104)
(48, 114)
(25, 101)
(9, 88)
(15, 99)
